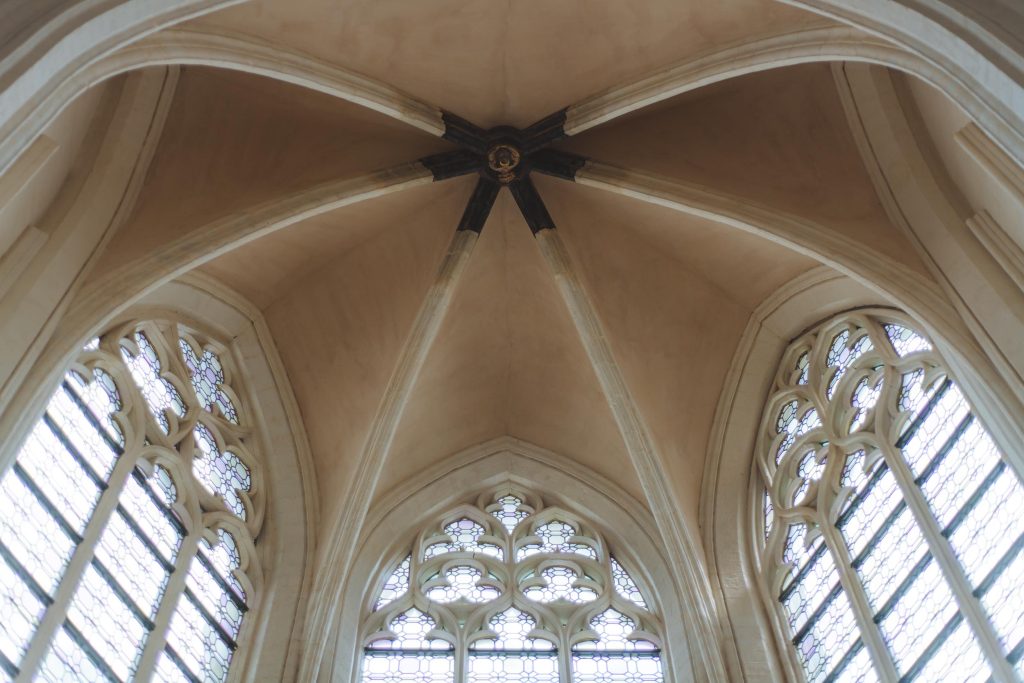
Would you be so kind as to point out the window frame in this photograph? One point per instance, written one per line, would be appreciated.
(425, 532)
(197, 513)
(912, 495)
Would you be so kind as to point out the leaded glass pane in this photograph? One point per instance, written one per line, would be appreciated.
(918, 616)
(397, 584)
(805, 596)
(170, 671)
(957, 660)
(194, 634)
(207, 377)
(215, 589)
(220, 471)
(988, 530)
(821, 643)
(47, 505)
(938, 446)
(556, 562)
(1004, 600)
(904, 340)
(408, 667)
(101, 611)
(465, 534)
(560, 583)
(858, 668)
(625, 586)
(555, 538)
(147, 371)
(463, 583)
(509, 511)
(70, 660)
(20, 612)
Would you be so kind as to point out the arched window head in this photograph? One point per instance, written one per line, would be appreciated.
(892, 527)
(127, 521)
(509, 591)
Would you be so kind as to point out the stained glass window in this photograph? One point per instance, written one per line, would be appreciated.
(503, 616)
(894, 529)
(94, 519)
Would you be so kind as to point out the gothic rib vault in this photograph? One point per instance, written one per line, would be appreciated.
(339, 166)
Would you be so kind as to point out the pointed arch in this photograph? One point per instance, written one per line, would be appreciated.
(596, 520)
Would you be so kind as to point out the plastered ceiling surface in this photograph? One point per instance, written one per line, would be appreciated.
(340, 291)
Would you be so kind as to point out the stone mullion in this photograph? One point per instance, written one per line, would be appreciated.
(173, 591)
(943, 553)
(870, 634)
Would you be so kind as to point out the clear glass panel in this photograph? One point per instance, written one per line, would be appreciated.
(613, 629)
(625, 586)
(207, 377)
(510, 511)
(69, 661)
(512, 657)
(169, 671)
(220, 471)
(808, 593)
(133, 564)
(102, 614)
(918, 616)
(894, 554)
(463, 584)
(841, 357)
(560, 583)
(823, 642)
(922, 442)
(858, 669)
(20, 612)
(1005, 598)
(59, 475)
(904, 340)
(555, 538)
(464, 534)
(411, 629)
(617, 667)
(993, 525)
(411, 667)
(204, 650)
(147, 505)
(396, 585)
(957, 660)
(31, 533)
(147, 371)
(954, 478)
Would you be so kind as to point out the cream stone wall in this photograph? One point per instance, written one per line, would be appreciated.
(735, 192)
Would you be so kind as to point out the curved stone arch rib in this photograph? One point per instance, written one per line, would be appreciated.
(873, 269)
(34, 75)
(392, 524)
(813, 45)
(966, 47)
(179, 46)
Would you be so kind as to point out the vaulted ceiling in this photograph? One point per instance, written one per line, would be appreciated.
(340, 290)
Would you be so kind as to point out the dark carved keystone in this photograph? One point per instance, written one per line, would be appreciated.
(504, 156)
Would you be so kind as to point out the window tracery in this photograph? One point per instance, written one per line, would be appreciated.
(891, 522)
(127, 521)
(509, 590)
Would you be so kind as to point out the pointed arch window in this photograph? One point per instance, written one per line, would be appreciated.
(508, 590)
(892, 526)
(127, 521)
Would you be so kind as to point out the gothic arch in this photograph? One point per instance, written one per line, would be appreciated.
(727, 515)
(286, 514)
(396, 518)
